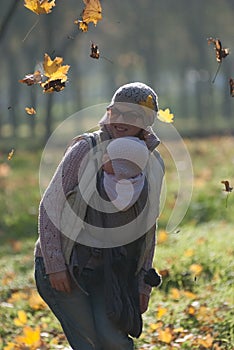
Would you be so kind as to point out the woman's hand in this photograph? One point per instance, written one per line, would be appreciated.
(144, 301)
(60, 281)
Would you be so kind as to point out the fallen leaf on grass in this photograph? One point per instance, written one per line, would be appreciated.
(39, 6)
(31, 337)
(21, 320)
(165, 335)
(196, 269)
(36, 302)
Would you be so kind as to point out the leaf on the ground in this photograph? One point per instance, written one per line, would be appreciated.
(161, 311)
(21, 320)
(174, 293)
(196, 269)
(165, 116)
(31, 79)
(165, 335)
(31, 337)
(36, 302)
(92, 13)
(30, 110)
(39, 6)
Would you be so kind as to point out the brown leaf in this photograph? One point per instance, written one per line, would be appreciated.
(219, 51)
(94, 51)
(30, 110)
(31, 79)
(227, 186)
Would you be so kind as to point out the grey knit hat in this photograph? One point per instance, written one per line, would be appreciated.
(142, 96)
(138, 93)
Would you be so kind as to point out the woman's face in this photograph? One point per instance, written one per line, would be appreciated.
(122, 130)
(124, 122)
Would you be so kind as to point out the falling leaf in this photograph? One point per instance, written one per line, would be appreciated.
(30, 110)
(39, 6)
(231, 84)
(91, 13)
(165, 116)
(53, 86)
(219, 51)
(94, 51)
(54, 70)
(227, 186)
(10, 154)
(21, 320)
(196, 269)
(31, 337)
(31, 79)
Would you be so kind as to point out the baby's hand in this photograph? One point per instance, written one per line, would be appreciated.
(107, 165)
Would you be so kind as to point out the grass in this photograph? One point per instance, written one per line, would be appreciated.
(193, 309)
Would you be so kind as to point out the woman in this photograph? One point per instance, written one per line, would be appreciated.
(92, 275)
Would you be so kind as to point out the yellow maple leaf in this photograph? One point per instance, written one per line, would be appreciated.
(39, 6)
(22, 319)
(91, 13)
(30, 337)
(30, 110)
(54, 70)
(165, 115)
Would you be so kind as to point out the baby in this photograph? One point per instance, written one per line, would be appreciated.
(124, 163)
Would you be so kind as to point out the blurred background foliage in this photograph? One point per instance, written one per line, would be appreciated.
(160, 42)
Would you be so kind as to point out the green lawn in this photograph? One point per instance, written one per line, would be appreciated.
(193, 309)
